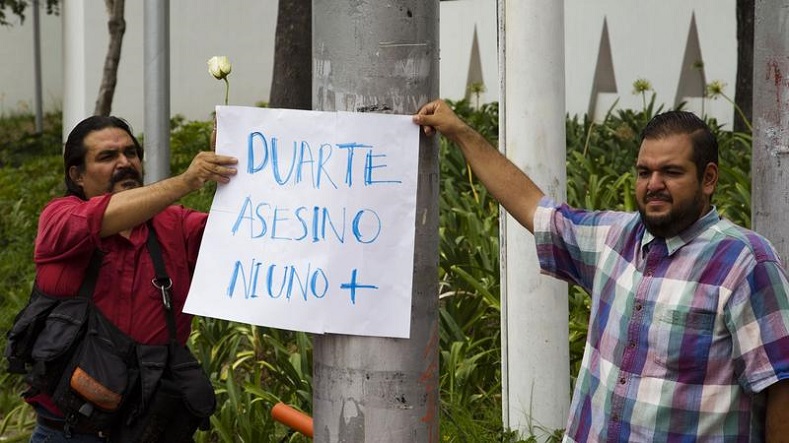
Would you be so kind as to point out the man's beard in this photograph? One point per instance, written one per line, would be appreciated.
(126, 178)
(676, 220)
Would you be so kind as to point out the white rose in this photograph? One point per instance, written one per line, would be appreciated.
(219, 66)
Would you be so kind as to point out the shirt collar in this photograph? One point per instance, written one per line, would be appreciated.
(688, 235)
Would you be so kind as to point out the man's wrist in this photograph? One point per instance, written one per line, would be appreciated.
(173, 187)
(462, 134)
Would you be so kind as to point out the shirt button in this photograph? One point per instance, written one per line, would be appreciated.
(638, 306)
(631, 345)
(622, 380)
(615, 418)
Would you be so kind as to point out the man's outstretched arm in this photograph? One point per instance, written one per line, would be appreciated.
(132, 207)
(508, 184)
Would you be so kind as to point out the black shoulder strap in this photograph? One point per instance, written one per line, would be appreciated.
(91, 275)
(162, 281)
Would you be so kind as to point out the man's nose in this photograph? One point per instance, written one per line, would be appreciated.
(655, 181)
(123, 161)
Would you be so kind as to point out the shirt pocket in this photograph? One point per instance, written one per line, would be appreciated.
(682, 340)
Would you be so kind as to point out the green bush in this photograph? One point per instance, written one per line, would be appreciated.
(31, 175)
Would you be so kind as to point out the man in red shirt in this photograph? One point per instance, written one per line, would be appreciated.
(106, 207)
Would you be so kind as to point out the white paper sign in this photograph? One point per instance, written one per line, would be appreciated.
(316, 231)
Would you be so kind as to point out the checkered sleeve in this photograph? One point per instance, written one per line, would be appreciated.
(758, 318)
(569, 241)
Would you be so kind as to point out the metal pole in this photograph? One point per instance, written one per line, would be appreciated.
(770, 175)
(157, 90)
(535, 348)
(37, 67)
(75, 107)
(382, 57)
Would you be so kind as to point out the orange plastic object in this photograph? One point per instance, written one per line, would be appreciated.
(292, 418)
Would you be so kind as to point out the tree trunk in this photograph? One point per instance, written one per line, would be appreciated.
(291, 84)
(117, 27)
(743, 93)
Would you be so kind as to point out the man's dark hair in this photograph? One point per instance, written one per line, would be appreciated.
(705, 145)
(74, 151)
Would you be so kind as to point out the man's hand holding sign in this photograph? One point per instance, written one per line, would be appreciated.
(316, 231)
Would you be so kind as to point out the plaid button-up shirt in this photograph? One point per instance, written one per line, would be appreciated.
(683, 334)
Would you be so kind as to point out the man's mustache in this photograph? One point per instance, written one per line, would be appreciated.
(660, 196)
(125, 174)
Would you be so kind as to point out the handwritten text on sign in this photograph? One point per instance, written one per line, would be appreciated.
(316, 231)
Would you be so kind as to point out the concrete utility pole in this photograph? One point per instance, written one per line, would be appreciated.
(157, 89)
(382, 57)
(534, 308)
(770, 162)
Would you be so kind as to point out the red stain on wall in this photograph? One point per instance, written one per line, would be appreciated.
(774, 71)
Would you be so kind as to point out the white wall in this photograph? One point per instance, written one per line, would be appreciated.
(458, 21)
(240, 29)
(17, 82)
(648, 39)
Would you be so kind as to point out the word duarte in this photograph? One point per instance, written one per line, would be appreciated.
(317, 167)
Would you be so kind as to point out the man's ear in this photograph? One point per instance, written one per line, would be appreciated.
(709, 180)
(75, 175)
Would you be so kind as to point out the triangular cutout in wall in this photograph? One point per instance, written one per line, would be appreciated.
(604, 79)
(692, 79)
(475, 84)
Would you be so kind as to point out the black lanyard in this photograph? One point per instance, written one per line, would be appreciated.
(162, 282)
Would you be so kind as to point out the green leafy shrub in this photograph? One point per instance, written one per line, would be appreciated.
(469, 307)
(31, 174)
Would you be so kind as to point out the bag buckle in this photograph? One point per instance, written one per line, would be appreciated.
(163, 285)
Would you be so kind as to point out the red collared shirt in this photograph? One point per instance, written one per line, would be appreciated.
(68, 233)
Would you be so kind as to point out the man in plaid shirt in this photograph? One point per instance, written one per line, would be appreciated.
(689, 331)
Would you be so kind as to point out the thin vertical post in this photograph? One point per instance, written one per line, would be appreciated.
(75, 107)
(535, 348)
(39, 108)
(156, 54)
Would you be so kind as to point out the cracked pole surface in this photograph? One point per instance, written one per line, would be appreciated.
(770, 162)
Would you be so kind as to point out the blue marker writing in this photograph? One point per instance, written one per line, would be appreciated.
(352, 286)
(289, 167)
(305, 223)
(306, 282)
